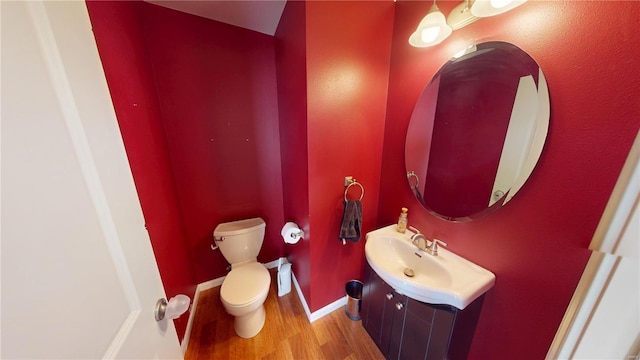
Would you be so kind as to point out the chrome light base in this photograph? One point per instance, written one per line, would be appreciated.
(461, 16)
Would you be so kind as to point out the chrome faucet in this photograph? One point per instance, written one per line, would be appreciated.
(419, 241)
(422, 243)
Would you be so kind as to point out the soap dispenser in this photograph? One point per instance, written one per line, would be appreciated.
(402, 221)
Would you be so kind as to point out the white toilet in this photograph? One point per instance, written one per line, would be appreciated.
(246, 286)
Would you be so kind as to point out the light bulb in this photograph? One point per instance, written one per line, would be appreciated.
(486, 8)
(499, 4)
(432, 29)
(429, 34)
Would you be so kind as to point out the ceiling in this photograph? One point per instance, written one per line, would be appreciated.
(257, 15)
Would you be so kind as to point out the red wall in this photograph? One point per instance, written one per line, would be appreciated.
(292, 101)
(348, 46)
(332, 82)
(217, 89)
(537, 244)
(197, 107)
(120, 37)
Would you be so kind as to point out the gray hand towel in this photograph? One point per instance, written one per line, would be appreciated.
(351, 221)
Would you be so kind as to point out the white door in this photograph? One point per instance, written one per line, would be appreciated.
(79, 280)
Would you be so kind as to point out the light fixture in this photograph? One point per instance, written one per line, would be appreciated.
(432, 29)
(461, 16)
(486, 8)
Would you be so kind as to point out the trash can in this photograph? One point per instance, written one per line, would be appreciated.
(354, 299)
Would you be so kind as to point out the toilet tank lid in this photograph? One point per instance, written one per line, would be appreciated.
(239, 227)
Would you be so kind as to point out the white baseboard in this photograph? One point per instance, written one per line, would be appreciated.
(301, 296)
(270, 265)
(200, 288)
(341, 302)
(313, 316)
(187, 332)
(274, 263)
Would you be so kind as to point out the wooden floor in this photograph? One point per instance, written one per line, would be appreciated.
(287, 333)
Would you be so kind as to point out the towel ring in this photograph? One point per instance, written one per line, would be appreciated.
(350, 185)
(412, 174)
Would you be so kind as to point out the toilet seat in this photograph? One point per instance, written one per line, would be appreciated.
(245, 284)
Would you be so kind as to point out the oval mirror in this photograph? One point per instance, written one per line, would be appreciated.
(477, 131)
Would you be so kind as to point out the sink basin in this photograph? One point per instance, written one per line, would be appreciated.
(443, 279)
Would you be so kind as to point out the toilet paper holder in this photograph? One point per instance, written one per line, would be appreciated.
(297, 234)
(291, 233)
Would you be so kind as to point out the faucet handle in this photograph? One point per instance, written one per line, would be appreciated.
(438, 241)
(434, 246)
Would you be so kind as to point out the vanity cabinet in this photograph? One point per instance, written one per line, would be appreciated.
(404, 328)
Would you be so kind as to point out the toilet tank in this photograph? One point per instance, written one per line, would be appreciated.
(240, 240)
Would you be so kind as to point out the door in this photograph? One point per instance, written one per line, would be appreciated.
(79, 280)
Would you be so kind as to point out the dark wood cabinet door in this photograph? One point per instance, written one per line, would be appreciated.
(390, 313)
(441, 328)
(367, 312)
(425, 332)
(398, 310)
(376, 317)
(415, 339)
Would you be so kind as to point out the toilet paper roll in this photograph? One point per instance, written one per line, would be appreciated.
(291, 233)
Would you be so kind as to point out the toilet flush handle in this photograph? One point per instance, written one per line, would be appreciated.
(214, 246)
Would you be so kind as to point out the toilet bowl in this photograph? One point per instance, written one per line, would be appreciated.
(243, 294)
(245, 288)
